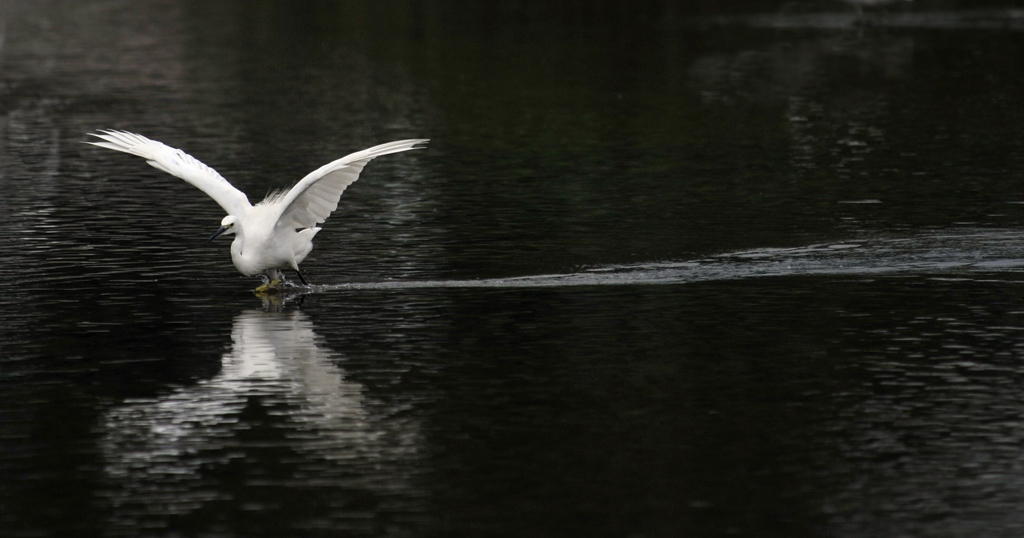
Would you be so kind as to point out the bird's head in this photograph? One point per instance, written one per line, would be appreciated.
(227, 226)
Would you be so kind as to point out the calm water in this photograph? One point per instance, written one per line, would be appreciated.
(744, 269)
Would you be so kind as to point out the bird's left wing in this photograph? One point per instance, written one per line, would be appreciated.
(316, 196)
(177, 163)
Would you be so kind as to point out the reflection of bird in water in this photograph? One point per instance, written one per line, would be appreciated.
(276, 233)
(279, 391)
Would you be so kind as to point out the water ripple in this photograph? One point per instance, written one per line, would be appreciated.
(938, 252)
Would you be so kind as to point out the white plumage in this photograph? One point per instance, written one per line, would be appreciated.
(276, 233)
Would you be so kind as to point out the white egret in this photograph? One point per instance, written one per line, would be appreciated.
(276, 233)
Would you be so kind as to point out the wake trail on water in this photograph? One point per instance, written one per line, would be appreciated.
(957, 251)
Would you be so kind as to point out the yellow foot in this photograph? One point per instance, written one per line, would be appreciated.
(270, 288)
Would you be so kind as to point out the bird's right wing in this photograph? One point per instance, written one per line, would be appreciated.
(177, 163)
(316, 196)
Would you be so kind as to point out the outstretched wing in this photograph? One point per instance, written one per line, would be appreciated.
(177, 163)
(316, 196)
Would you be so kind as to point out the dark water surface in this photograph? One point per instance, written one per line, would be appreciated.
(745, 268)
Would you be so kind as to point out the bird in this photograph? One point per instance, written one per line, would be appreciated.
(276, 233)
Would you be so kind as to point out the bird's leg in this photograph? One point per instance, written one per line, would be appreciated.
(276, 277)
(302, 278)
(272, 279)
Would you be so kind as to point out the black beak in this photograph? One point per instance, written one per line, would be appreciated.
(219, 231)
